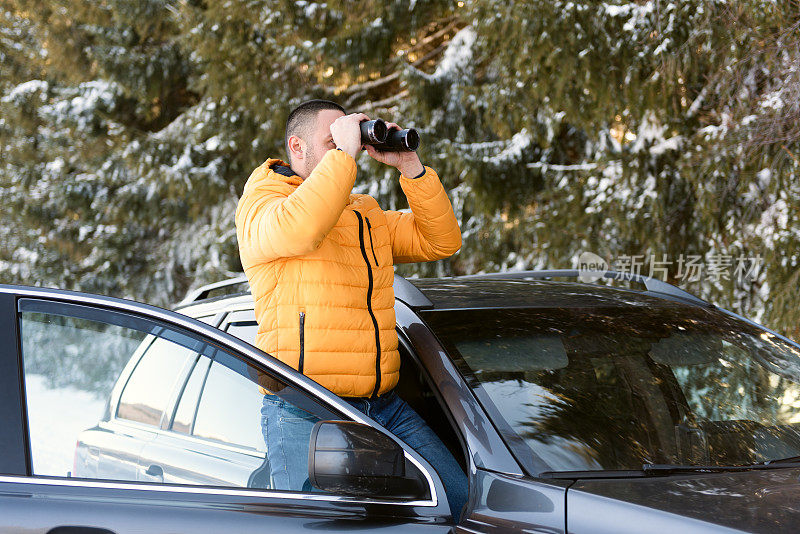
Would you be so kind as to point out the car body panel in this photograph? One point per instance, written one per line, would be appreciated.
(749, 501)
(15, 458)
(473, 293)
(35, 506)
(594, 514)
(503, 503)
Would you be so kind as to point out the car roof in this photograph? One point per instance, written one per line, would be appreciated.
(473, 292)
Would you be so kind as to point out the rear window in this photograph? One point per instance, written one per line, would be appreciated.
(149, 387)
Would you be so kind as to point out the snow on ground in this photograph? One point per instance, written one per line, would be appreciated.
(57, 416)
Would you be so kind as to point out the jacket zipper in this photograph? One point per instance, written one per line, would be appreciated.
(369, 229)
(302, 340)
(369, 305)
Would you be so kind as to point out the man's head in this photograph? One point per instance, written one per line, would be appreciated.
(308, 134)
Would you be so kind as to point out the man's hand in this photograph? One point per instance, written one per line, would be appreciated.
(346, 133)
(406, 162)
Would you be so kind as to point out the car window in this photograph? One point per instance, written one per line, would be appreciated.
(228, 427)
(148, 390)
(74, 356)
(70, 367)
(229, 390)
(244, 330)
(243, 325)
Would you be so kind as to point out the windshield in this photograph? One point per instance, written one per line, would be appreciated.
(613, 388)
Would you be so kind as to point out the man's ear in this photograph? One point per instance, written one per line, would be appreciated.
(296, 148)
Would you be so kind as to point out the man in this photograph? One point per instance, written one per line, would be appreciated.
(320, 264)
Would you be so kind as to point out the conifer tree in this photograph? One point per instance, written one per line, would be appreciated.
(128, 129)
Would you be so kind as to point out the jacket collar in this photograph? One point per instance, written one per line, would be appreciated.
(284, 170)
(280, 170)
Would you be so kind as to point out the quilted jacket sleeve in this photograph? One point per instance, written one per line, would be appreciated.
(430, 231)
(271, 224)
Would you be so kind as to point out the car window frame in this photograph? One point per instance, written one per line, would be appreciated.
(178, 397)
(15, 438)
(180, 385)
(239, 348)
(487, 449)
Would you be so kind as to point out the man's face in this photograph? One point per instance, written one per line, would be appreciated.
(320, 140)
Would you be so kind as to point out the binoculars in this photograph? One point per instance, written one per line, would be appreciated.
(377, 134)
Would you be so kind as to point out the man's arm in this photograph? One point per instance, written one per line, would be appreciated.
(430, 231)
(271, 225)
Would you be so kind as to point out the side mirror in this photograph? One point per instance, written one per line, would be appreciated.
(351, 458)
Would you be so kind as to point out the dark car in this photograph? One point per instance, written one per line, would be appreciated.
(572, 407)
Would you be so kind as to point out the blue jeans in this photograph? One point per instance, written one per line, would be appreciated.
(287, 430)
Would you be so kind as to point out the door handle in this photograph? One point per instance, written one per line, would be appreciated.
(155, 471)
(79, 530)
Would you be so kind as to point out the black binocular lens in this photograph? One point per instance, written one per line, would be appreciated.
(399, 140)
(376, 133)
(373, 132)
(408, 139)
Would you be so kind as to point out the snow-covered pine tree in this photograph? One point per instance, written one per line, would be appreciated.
(114, 167)
(647, 124)
(623, 128)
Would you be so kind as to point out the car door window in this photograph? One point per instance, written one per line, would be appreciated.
(73, 431)
(230, 390)
(81, 362)
(70, 366)
(244, 330)
(148, 390)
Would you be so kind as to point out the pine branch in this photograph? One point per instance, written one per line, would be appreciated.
(391, 100)
(365, 87)
(432, 37)
(371, 84)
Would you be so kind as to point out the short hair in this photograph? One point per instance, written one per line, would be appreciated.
(301, 120)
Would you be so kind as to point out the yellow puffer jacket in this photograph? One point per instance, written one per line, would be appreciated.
(320, 265)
